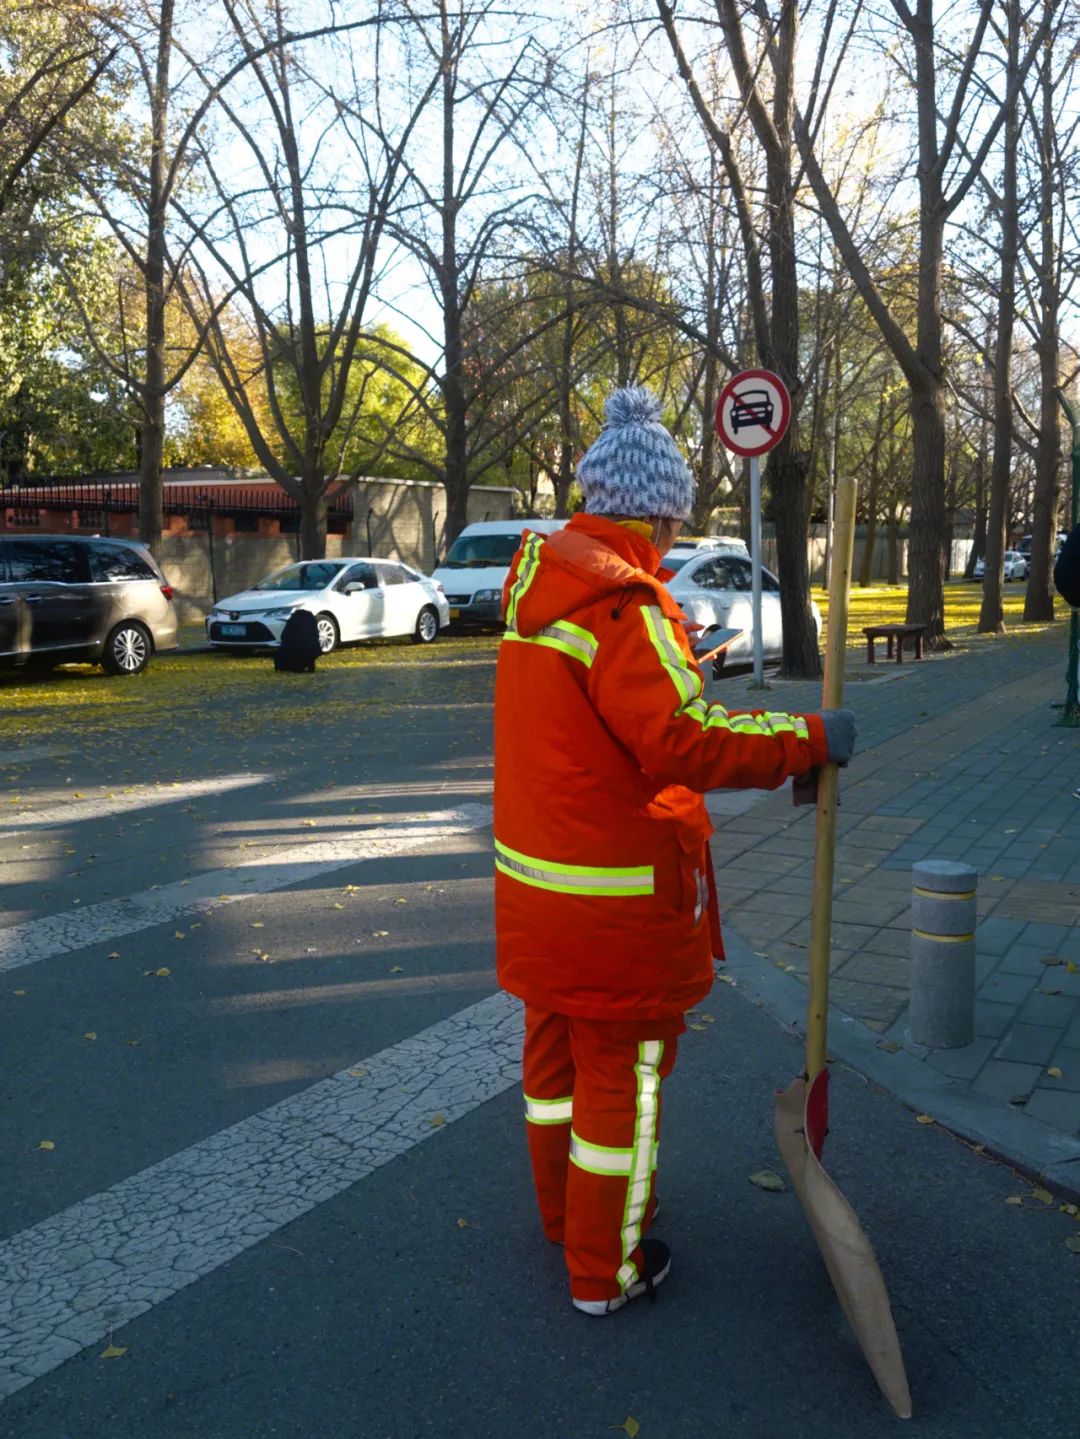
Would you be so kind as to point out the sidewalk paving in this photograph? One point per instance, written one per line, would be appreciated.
(958, 759)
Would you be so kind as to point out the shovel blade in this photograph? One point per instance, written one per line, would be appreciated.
(844, 1247)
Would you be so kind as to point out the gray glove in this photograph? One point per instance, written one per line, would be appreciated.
(839, 734)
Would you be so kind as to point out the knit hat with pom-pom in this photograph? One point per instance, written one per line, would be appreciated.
(634, 467)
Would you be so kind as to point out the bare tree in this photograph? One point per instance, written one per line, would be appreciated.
(295, 236)
(774, 309)
(946, 168)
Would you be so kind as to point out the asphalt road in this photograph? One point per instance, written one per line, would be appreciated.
(298, 1157)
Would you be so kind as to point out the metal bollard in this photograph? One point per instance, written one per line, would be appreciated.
(943, 953)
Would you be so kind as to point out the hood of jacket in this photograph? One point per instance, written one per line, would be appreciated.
(590, 559)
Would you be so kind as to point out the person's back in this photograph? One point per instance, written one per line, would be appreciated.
(1067, 570)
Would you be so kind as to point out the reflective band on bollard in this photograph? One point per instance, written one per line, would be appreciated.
(943, 921)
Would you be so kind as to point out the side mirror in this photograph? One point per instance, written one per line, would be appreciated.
(354, 588)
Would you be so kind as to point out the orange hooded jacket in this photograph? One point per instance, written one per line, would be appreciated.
(603, 748)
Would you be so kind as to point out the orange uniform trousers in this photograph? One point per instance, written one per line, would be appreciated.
(592, 1111)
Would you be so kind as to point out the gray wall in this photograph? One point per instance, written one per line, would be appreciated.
(406, 523)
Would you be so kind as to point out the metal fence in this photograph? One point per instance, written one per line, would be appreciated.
(95, 503)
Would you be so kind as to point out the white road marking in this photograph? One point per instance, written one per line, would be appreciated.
(111, 1257)
(75, 929)
(145, 796)
(27, 754)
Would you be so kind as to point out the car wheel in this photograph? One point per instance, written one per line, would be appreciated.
(327, 629)
(427, 626)
(127, 650)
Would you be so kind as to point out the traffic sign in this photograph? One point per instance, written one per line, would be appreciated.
(753, 412)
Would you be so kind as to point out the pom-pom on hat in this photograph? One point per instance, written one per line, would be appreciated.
(634, 467)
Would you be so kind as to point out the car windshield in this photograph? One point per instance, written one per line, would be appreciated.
(482, 552)
(313, 576)
(676, 562)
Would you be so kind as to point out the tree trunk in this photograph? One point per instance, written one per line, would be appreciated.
(313, 517)
(894, 547)
(1039, 600)
(791, 514)
(926, 597)
(992, 615)
(152, 448)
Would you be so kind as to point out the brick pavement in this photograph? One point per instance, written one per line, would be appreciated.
(958, 759)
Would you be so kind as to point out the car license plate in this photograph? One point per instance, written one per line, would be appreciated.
(455, 614)
(234, 629)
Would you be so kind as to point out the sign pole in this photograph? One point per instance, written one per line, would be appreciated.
(755, 558)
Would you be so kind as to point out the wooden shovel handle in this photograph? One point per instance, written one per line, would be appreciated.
(817, 1018)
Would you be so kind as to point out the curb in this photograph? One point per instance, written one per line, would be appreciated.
(1036, 1150)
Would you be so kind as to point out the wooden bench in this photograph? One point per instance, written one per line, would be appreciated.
(889, 633)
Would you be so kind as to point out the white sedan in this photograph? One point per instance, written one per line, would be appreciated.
(717, 589)
(351, 599)
(1014, 566)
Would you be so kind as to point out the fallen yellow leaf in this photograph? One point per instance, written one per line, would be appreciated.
(46, 1144)
(631, 1426)
(163, 972)
(338, 906)
(257, 924)
(1043, 1196)
(437, 1120)
(89, 1034)
(1054, 1072)
(18, 991)
(463, 1224)
(1073, 1243)
(397, 969)
(115, 955)
(924, 1119)
(769, 1180)
(1070, 1209)
(357, 1073)
(1017, 1199)
(114, 1351)
(178, 934)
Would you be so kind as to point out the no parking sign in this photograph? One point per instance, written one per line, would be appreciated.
(752, 416)
(753, 412)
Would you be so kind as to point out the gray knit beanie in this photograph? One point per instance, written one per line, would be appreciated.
(634, 466)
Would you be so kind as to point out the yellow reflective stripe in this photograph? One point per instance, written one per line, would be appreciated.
(599, 1158)
(573, 878)
(688, 684)
(549, 1111)
(643, 1154)
(571, 639)
(944, 938)
(530, 560)
(942, 894)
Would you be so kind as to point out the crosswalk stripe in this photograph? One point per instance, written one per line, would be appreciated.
(115, 1255)
(55, 934)
(144, 796)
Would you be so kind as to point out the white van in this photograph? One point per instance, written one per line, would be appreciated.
(475, 570)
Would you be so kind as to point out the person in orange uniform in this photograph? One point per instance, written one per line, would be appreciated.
(605, 906)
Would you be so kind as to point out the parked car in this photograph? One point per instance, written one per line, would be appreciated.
(1015, 566)
(66, 598)
(1023, 545)
(682, 551)
(716, 588)
(475, 569)
(351, 599)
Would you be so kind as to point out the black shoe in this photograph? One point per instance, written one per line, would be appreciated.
(657, 1264)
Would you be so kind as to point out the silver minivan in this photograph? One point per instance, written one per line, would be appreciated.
(67, 598)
